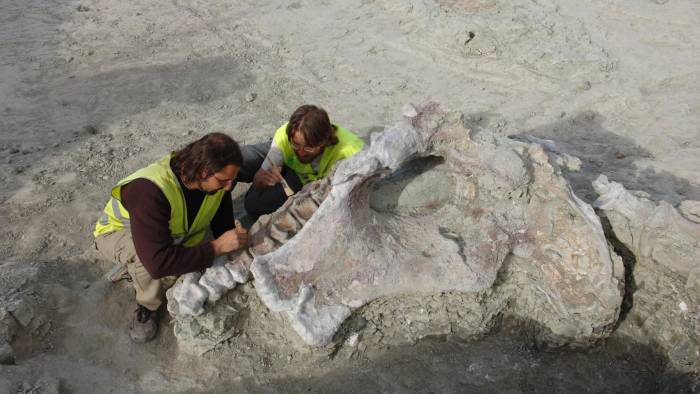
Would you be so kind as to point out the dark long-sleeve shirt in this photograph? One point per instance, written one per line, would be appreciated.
(149, 212)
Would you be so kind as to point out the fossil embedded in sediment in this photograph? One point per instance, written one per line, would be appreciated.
(191, 293)
(426, 209)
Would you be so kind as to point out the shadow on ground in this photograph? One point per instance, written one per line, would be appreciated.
(104, 98)
(604, 152)
(498, 364)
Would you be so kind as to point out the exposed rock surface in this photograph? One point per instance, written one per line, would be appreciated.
(20, 311)
(666, 246)
(427, 210)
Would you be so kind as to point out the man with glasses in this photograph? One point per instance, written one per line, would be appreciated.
(154, 224)
(301, 151)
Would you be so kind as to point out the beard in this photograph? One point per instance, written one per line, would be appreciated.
(307, 160)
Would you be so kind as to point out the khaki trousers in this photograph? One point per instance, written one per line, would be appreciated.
(118, 247)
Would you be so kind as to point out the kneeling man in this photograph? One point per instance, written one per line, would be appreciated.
(155, 222)
(302, 150)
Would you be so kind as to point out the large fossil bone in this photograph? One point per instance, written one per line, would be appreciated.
(425, 209)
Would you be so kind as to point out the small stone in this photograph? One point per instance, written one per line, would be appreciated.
(21, 311)
(524, 250)
(352, 339)
(49, 385)
(8, 326)
(585, 85)
(105, 177)
(690, 210)
(250, 97)
(7, 356)
(620, 155)
(89, 129)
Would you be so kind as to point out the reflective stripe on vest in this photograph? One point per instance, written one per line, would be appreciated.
(118, 213)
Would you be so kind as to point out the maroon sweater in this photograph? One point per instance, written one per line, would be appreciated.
(149, 213)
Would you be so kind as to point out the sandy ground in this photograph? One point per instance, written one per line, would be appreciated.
(92, 90)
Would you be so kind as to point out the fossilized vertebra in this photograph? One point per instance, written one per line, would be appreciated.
(192, 291)
(199, 323)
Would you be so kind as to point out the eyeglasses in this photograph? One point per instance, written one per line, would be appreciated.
(306, 149)
(223, 181)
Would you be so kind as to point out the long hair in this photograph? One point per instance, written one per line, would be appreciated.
(314, 125)
(208, 155)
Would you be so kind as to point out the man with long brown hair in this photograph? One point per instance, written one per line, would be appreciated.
(302, 150)
(155, 222)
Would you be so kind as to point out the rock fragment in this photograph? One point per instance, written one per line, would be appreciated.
(22, 311)
(7, 356)
(690, 210)
(664, 242)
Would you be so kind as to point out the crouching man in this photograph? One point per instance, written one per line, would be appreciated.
(301, 151)
(156, 220)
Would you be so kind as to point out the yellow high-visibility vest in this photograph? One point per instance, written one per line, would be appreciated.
(348, 144)
(115, 217)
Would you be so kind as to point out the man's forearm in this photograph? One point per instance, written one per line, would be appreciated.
(178, 260)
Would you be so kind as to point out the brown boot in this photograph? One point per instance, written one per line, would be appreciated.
(144, 325)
